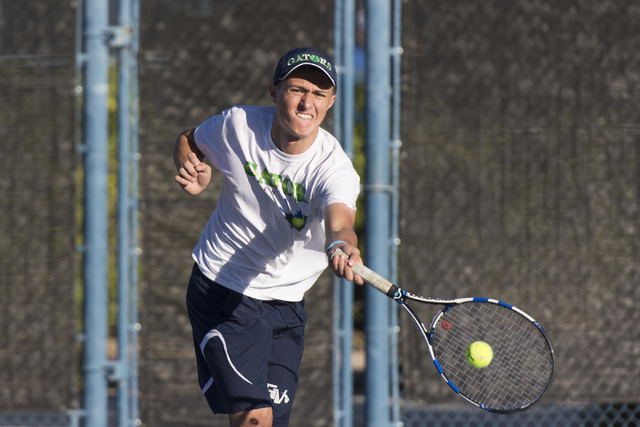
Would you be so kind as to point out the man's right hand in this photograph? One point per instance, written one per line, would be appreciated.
(194, 175)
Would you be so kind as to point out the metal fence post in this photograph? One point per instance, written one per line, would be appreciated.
(124, 204)
(96, 90)
(126, 39)
(377, 113)
(396, 143)
(133, 212)
(344, 47)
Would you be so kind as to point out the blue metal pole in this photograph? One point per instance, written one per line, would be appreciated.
(347, 85)
(135, 151)
(338, 37)
(337, 354)
(338, 303)
(96, 90)
(396, 143)
(378, 114)
(347, 89)
(344, 47)
(124, 202)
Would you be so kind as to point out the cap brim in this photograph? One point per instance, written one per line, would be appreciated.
(284, 76)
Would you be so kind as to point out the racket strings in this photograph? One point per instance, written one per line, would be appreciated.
(522, 365)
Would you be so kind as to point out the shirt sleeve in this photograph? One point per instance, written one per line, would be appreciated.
(209, 139)
(342, 186)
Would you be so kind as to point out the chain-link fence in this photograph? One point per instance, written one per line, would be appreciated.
(37, 212)
(565, 415)
(521, 182)
(35, 419)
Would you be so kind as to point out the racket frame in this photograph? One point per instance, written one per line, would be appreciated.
(400, 296)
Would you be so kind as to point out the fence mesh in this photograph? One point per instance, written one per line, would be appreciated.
(520, 182)
(198, 58)
(37, 208)
(35, 419)
(565, 415)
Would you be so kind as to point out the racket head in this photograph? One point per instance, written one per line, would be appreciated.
(523, 363)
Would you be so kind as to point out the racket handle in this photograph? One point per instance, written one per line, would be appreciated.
(371, 278)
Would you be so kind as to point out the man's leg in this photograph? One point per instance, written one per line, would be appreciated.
(288, 321)
(232, 342)
(255, 418)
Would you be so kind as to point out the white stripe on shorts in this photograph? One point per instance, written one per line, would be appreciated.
(207, 385)
(215, 333)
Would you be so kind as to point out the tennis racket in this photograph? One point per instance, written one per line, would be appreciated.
(523, 363)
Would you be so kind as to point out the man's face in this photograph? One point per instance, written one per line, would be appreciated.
(302, 101)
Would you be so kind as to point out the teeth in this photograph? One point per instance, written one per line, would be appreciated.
(304, 116)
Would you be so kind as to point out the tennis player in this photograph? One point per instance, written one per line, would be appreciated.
(288, 201)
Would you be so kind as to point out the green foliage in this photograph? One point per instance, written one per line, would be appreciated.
(113, 198)
(359, 161)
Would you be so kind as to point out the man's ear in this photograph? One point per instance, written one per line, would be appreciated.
(333, 99)
(273, 91)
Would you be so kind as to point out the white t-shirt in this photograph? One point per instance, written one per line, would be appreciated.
(266, 237)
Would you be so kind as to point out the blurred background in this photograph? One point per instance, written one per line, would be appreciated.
(520, 180)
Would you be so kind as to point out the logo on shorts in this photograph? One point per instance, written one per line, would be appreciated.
(275, 395)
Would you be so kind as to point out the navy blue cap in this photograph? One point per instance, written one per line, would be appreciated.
(304, 56)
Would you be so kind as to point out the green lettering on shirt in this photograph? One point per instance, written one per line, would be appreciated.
(300, 193)
(251, 168)
(265, 178)
(289, 188)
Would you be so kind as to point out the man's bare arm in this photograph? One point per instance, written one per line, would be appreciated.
(339, 220)
(193, 174)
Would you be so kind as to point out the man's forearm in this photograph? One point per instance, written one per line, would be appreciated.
(184, 145)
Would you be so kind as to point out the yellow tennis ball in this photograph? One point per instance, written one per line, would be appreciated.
(479, 354)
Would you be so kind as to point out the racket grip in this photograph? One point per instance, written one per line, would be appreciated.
(371, 278)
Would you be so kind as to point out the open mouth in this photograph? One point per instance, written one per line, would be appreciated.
(304, 116)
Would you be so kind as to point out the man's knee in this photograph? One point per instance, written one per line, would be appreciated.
(262, 417)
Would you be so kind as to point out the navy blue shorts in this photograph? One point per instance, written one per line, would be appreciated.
(248, 351)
